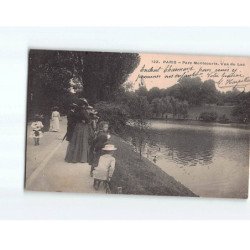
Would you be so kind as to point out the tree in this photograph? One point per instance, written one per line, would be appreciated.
(194, 91)
(105, 72)
(242, 110)
(48, 83)
(139, 114)
(230, 97)
(116, 114)
(158, 107)
(155, 106)
(153, 93)
(142, 91)
(175, 106)
(209, 93)
(191, 90)
(167, 104)
(98, 73)
(183, 109)
(208, 116)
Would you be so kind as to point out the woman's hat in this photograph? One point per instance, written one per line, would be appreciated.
(109, 147)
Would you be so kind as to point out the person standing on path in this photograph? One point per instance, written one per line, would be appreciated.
(71, 121)
(55, 118)
(78, 147)
(106, 166)
(98, 143)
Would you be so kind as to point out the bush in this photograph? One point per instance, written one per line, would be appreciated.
(115, 114)
(208, 116)
(223, 119)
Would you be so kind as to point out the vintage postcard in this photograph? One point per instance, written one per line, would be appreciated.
(137, 123)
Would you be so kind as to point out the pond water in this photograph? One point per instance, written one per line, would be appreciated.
(211, 160)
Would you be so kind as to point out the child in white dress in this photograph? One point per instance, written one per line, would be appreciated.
(106, 166)
(36, 127)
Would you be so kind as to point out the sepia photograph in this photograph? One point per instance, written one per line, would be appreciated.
(137, 124)
(124, 122)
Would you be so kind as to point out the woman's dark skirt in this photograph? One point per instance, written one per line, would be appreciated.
(78, 148)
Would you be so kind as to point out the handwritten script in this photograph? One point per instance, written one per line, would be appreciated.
(225, 74)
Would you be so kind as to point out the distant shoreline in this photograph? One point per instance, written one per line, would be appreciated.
(201, 123)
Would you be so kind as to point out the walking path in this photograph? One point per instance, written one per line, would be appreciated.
(46, 169)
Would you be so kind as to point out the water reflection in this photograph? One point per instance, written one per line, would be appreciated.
(210, 160)
(185, 147)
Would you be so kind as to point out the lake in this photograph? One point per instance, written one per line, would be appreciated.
(211, 160)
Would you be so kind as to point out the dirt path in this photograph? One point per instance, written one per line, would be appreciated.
(46, 169)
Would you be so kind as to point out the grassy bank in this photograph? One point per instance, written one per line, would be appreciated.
(137, 176)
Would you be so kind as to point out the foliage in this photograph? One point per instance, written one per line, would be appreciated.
(95, 75)
(157, 107)
(139, 107)
(122, 95)
(242, 110)
(115, 114)
(105, 72)
(142, 91)
(169, 105)
(208, 116)
(189, 92)
(194, 91)
(154, 93)
(223, 119)
(229, 97)
(139, 111)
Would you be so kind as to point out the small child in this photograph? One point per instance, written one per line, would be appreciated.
(98, 143)
(37, 130)
(106, 166)
(94, 120)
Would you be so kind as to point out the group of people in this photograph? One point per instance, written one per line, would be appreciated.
(89, 142)
(88, 139)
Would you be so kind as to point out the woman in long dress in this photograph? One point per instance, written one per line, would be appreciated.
(71, 122)
(78, 147)
(55, 118)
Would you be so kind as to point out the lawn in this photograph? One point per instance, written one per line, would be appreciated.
(137, 176)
